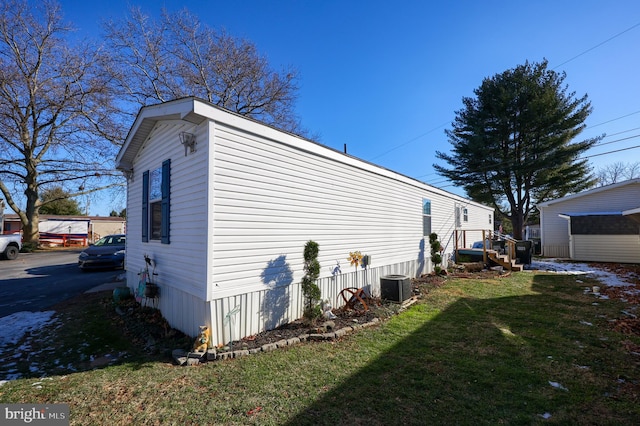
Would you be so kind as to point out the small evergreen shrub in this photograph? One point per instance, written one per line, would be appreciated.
(436, 249)
(310, 290)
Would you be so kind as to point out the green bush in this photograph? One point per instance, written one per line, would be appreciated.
(436, 248)
(310, 291)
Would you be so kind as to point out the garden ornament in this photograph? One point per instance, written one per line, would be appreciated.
(202, 342)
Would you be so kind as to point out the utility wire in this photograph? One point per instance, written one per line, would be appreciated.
(557, 66)
(597, 45)
(511, 162)
(410, 140)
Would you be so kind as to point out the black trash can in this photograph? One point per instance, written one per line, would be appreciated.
(396, 288)
(524, 251)
(537, 246)
(498, 245)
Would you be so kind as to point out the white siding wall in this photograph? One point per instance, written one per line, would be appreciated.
(606, 248)
(181, 265)
(269, 198)
(242, 208)
(555, 230)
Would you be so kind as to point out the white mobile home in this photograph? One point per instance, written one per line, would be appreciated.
(224, 206)
(600, 224)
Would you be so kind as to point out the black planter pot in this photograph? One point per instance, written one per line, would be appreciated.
(151, 290)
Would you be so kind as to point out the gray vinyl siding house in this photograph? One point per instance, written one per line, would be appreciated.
(226, 223)
(600, 225)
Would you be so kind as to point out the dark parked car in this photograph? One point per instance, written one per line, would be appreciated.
(107, 252)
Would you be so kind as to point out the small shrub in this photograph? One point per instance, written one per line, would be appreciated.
(310, 290)
(436, 249)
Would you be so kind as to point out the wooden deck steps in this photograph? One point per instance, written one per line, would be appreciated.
(503, 260)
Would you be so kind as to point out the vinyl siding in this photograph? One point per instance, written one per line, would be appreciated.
(269, 198)
(180, 272)
(555, 229)
(606, 248)
(244, 205)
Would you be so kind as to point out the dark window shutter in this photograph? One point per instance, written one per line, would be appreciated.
(145, 206)
(166, 201)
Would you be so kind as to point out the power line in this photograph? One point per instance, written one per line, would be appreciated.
(598, 45)
(409, 141)
(510, 162)
(612, 152)
(614, 119)
(557, 66)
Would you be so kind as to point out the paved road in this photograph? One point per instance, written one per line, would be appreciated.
(37, 281)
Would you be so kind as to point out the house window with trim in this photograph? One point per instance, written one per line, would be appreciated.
(156, 203)
(465, 215)
(426, 217)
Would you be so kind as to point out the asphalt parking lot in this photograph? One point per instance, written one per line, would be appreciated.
(36, 281)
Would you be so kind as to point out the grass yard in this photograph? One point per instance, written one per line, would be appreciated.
(531, 348)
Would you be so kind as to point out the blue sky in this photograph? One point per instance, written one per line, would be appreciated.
(386, 77)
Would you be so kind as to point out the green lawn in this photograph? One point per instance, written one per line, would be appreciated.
(471, 351)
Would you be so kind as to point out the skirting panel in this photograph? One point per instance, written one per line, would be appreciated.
(243, 315)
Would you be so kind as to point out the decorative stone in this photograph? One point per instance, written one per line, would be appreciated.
(193, 361)
(225, 355)
(329, 336)
(255, 350)
(238, 354)
(269, 347)
(316, 337)
(293, 341)
(197, 355)
(341, 332)
(212, 354)
(328, 325)
(281, 343)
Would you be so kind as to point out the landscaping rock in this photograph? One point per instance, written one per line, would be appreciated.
(328, 326)
(293, 341)
(281, 343)
(269, 347)
(212, 354)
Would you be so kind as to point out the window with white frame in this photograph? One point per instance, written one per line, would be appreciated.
(426, 217)
(465, 215)
(155, 204)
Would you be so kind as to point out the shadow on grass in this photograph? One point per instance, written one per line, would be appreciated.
(488, 361)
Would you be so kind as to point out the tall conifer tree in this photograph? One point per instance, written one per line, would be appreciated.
(514, 142)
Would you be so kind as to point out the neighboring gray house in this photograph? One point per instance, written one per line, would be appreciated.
(601, 224)
(224, 206)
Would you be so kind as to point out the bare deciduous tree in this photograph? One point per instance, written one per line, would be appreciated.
(56, 112)
(617, 172)
(176, 56)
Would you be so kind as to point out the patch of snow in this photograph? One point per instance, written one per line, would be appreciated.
(557, 385)
(571, 268)
(16, 325)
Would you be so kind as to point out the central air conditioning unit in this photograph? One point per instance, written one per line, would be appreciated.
(396, 288)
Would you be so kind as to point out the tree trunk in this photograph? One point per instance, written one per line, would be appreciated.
(31, 218)
(517, 222)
